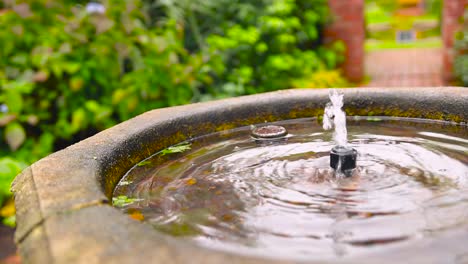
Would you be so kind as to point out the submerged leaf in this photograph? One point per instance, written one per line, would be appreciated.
(176, 149)
(143, 163)
(137, 215)
(124, 183)
(191, 181)
(122, 200)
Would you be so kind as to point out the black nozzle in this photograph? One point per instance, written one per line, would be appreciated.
(343, 159)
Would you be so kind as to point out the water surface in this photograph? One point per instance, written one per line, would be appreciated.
(281, 200)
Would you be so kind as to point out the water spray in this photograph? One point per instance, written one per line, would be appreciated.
(342, 157)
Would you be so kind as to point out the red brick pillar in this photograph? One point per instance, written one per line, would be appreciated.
(451, 14)
(348, 25)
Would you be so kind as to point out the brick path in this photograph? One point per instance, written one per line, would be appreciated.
(7, 247)
(404, 68)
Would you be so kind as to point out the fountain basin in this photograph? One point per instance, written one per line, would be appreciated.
(63, 201)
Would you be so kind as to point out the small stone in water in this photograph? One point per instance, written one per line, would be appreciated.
(269, 132)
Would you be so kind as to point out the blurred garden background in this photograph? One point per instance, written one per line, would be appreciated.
(72, 68)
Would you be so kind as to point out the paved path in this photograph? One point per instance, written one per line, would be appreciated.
(7, 247)
(404, 67)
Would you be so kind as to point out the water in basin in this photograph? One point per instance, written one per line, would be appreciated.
(281, 199)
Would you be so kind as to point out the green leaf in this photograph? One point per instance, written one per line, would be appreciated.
(71, 67)
(20, 59)
(9, 168)
(14, 101)
(14, 135)
(122, 200)
(57, 69)
(10, 221)
(78, 119)
(176, 149)
(143, 163)
(118, 96)
(92, 106)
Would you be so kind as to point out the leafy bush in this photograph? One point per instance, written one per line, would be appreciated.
(254, 46)
(323, 79)
(8, 169)
(70, 70)
(461, 50)
(66, 73)
(269, 49)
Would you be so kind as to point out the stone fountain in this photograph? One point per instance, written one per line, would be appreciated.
(64, 213)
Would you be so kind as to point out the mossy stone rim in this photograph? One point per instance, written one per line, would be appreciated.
(63, 201)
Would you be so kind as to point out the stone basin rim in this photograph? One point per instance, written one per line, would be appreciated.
(63, 209)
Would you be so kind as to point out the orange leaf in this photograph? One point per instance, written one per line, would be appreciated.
(137, 216)
(191, 181)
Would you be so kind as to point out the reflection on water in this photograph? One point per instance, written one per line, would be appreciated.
(231, 193)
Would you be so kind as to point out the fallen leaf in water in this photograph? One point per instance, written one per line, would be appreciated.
(122, 200)
(143, 163)
(124, 183)
(191, 181)
(176, 149)
(228, 217)
(137, 215)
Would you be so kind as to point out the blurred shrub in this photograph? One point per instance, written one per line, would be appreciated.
(254, 46)
(70, 69)
(461, 52)
(8, 169)
(67, 72)
(323, 79)
(271, 47)
(434, 7)
(376, 13)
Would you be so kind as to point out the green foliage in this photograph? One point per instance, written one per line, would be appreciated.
(253, 46)
(434, 8)
(9, 168)
(461, 50)
(375, 13)
(67, 73)
(10, 221)
(383, 21)
(268, 45)
(323, 79)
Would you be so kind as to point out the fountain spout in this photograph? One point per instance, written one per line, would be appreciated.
(342, 157)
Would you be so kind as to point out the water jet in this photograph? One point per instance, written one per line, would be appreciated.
(342, 157)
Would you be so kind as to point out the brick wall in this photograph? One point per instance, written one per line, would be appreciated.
(348, 26)
(451, 14)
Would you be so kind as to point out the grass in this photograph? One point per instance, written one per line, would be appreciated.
(392, 44)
